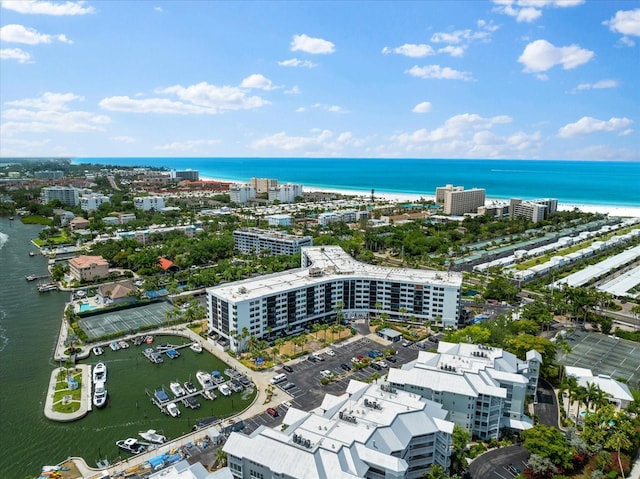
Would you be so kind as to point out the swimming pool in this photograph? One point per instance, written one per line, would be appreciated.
(84, 307)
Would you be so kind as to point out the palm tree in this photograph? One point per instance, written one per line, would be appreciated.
(436, 472)
(324, 327)
(335, 328)
(221, 457)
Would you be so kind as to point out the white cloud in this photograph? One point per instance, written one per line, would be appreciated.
(47, 8)
(330, 108)
(158, 9)
(201, 98)
(424, 107)
(20, 34)
(596, 86)
(193, 146)
(587, 125)
(123, 139)
(626, 132)
(294, 90)
(320, 142)
(454, 51)
(294, 62)
(626, 22)
(410, 50)
(257, 81)
(15, 54)
(301, 109)
(540, 56)
(438, 72)
(530, 10)
(50, 112)
(316, 46)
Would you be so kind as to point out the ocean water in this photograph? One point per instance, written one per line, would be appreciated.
(571, 182)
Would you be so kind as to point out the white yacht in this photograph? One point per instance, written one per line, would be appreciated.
(99, 395)
(173, 410)
(152, 436)
(177, 389)
(99, 373)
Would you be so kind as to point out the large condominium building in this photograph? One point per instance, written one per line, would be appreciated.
(190, 175)
(458, 202)
(440, 190)
(49, 175)
(262, 185)
(371, 431)
(280, 220)
(67, 194)
(88, 268)
(241, 193)
(534, 210)
(330, 281)
(92, 202)
(483, 388)
(286, 193)
(257, 241)
(147, 203)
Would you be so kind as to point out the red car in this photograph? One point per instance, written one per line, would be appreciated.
(272, 412)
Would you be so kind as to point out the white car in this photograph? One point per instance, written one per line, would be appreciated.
(286, 404)
(331, 352)
(383, 364)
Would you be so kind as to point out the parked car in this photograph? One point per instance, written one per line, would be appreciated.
(330, 352)
(288, 369)
(406, 343)
(420, 345)
(345, 367)
(383, 364)
(288, 386)
(312, 358)
(317, 357)
(286, 404)
(272, 412)
(433, 339)
(392, 359)
(360, 357)
(376, 366)
(325, 373)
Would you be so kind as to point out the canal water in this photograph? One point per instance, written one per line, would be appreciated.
(29, 325)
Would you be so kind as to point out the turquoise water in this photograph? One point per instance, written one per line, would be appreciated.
(573, 182)
(87, 307)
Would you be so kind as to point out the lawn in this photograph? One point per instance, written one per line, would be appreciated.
(66, 400)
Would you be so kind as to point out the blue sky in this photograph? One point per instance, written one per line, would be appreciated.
(547, 79)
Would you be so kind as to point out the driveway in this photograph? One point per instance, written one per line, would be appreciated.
(546, 407)
(501, 463)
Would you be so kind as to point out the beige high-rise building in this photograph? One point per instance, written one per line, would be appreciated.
(262, 185)
(440, 190)
(458, 202)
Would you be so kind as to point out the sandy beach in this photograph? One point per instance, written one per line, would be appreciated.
(611, 210)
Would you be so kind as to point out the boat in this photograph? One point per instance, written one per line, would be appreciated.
(131, 445)
(99, 373)
(177, 389)
(32, 254)
(191, 402)
(173, 410)
(152, 356)
(97, 350)
(114, 345)
(152, 436)
(45, 287)
(99, 395)
(148, 339)
(204, 378)
(189, 387)
(209, 394)
(31, 277)
(196, 347)
(138, 340)
(161, 395)
(123, 344)
(11, 218)
(225, 390)
(172, 353)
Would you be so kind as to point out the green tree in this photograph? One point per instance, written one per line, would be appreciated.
(549, 443)
(461, 438)
(501, 289)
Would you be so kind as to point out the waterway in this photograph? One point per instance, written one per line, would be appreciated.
(29, 325)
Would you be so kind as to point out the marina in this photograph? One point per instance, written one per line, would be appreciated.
(46, 287)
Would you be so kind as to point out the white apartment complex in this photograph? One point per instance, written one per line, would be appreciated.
(148, 203)
(92, 202)
(458, 202)
(371, 431)
(257, 241)
(534, 210)
(440, 190)
(347, 216)
(483, 388)
(67, 194)
(331, 280)
(280, 220)
(286, 193)
(241, 193)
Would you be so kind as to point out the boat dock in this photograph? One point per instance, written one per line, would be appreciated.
(33, 277)
(160, 398)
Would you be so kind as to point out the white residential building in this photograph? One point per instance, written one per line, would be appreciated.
(92, 202)
(257, 241)
(285, 193)
(328, 217)
(147, 203)
(483, 388)
(241, 193)
(459, 202)
(67, 194)
(286, 303)
(619, 393)
(371, 431)
(281, 220)
(534, 210)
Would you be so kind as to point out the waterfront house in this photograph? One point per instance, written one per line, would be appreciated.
(117, 293)
(88, 268)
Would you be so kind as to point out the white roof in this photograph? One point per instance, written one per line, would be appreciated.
(616, 389)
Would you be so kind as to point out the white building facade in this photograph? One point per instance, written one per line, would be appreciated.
(147, 203)
(331, 280)
(92, 202)
(67, 194)
(460, 202)
(257, 241)
(285, 193)
(372, 431)
(483, 388)
(241, 193)
(280, 221)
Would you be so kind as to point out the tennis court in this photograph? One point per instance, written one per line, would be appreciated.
(604, 354)
(126, 320)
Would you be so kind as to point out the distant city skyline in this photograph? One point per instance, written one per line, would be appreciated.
(543, 79)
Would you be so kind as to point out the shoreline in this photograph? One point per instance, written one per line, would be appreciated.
(612, 210)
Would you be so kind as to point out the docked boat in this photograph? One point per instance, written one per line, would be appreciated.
(204, 378)
(172, 353)
(177, 389)
(32, 254)
(45, 287)
(161, 396)
(173, 410)
(123, 344)
(225, 390)
(131, 445)
(99, 373)
(148, 339)
(114, 345)
(191, 402)
(99, 395)
(189, 387)
(152, 436)
(196, 347)
(152, 356)
(97, 350)
(209, 394)
(138, 340)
